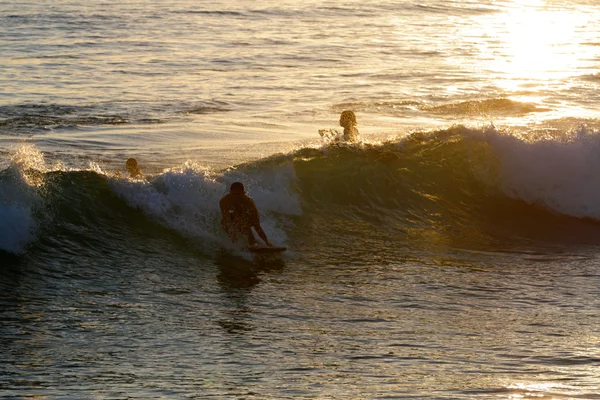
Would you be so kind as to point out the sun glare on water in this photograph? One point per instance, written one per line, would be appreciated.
(532, 43)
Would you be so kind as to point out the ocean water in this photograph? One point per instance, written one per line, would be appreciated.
(453, 252)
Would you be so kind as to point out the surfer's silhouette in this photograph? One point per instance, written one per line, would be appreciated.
(132, 167)
(240, 215)
(348, 122)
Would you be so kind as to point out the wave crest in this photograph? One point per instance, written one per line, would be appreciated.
(464, 186)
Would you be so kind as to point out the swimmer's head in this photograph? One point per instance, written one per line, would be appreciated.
(131, 164)
(237, 188)
(347, 118)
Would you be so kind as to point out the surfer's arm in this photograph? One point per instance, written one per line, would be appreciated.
(262, 234)
(255, 222)
(225, 215)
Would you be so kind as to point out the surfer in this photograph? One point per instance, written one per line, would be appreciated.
(240, 215)
(348, 122)
(132, 167)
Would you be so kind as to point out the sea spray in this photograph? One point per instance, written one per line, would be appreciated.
(19, 199)
(467, 183)
(559, 171)
(186, 199)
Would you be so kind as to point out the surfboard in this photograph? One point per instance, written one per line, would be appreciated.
(266, 249)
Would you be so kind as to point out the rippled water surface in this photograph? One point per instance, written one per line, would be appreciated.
(487, 326)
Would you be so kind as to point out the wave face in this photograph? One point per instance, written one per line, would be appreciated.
(461, 187)
(474, 188)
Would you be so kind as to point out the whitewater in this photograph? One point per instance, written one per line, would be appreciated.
(451, 252)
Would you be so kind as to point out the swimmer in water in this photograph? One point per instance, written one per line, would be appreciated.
(348, 122)
(132, 167)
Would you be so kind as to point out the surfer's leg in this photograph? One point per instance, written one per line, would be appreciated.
(230, 231)
(247, 231)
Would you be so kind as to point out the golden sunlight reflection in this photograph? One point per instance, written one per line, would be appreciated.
(533, 44)
(533, 390)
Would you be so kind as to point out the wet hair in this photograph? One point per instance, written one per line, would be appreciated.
(237, 187)
(347, 118)
(131, 163)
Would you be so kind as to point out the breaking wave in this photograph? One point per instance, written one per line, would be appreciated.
(459, 186)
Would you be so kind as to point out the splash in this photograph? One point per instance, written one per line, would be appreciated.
(20, 198)
(467, 185)
(560, 171)
(186, 199)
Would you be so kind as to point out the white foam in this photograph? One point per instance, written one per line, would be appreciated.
(186, 199)
(19, 198)
(17, 229)
(561, 173)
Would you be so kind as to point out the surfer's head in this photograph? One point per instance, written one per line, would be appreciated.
(347, 118)
(132, 167)
(237, 188)
(131, 164)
